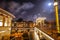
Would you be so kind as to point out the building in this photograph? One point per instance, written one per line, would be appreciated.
(22, 24)
(40, 21)
(5, 24)
(23, 29)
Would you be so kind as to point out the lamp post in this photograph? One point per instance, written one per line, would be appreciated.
(56, 13)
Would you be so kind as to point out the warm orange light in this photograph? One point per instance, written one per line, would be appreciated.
(55, 3)
(1, 23)
(1, 20)
(57, 18)
(16, 35)
(5, 24)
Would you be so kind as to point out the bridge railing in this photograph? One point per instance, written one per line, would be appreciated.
(42, 34)
(34, 33)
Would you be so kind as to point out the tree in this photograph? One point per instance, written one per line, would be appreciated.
(46, 22)
(20, 19)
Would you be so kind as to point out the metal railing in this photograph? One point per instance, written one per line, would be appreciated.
(31, 32)
(47, 37)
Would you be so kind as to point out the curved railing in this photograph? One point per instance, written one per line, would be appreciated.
(43, 35)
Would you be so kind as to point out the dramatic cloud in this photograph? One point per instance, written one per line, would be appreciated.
(30, 9)
(13, 6)
(19, 10)
(28, 5)
(25, 6)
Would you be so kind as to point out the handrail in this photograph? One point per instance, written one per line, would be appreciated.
(44, 34)
(36, 29)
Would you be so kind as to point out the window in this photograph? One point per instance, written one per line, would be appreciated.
(9, 21)
(6, 21)
(1, 23)
(1, 20)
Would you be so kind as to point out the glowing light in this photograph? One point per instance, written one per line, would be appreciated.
(9, 28)
(55, 3)
(2, 31)
(5, 24)
(49, 4)
(1, 23)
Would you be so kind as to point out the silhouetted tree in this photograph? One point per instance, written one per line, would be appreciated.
(20, 19)
(46, 22)
(30, 21)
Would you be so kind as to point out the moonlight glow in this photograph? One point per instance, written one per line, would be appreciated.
(49, 4)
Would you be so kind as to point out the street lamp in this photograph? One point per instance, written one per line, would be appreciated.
(55, 3)
(57, 17)
(56, 13)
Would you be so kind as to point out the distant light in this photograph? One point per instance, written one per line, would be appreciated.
(49, 4)
(55, 3)
(9, 28)
(2, 31)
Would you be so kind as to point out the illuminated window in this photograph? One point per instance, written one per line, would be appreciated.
(1, 23)
(6, 22)
(9, 21)
(1, 20)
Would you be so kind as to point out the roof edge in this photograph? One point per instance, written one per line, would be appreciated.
(7, 12)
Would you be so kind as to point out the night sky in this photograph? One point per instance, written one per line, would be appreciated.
(29, 9)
